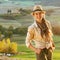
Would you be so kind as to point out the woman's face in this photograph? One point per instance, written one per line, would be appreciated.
(38, 15)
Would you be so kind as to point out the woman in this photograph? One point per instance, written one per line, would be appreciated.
(40, 32)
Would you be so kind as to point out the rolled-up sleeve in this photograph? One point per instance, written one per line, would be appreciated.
(29, 37)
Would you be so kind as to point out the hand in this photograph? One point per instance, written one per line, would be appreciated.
(53, 47)
(37, 50)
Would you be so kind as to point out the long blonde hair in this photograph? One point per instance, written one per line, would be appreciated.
(44, 29)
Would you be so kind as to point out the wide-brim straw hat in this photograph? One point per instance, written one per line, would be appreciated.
(38, 8)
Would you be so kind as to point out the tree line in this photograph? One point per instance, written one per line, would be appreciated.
(8, 32)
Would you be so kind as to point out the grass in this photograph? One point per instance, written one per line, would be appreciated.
(56, 55)
(27, 54)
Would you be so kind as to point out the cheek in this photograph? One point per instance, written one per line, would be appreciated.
(43, 15)
(35, 16)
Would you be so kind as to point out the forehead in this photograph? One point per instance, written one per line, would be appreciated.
(37, 11)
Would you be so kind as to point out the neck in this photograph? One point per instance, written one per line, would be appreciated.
(39, 21)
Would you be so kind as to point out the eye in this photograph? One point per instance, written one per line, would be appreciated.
(36, 13)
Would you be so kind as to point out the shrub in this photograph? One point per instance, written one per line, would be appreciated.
(56, 30)
(8, 47)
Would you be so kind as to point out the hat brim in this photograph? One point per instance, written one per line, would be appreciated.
(42, 11)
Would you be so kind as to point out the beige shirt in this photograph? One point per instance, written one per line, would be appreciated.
(34, 34)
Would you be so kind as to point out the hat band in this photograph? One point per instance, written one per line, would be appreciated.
(37, 10)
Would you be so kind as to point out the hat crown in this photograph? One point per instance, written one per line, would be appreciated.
(37, 7)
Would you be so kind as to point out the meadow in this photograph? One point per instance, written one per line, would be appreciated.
(27, 54)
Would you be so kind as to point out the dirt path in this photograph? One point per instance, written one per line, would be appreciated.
(7, 58)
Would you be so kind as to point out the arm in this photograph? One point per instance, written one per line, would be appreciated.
(29, 37)
(36, 50)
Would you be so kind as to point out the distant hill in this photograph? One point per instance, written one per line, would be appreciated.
(51, 2)
(44, 2)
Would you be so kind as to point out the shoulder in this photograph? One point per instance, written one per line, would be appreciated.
(31, 27)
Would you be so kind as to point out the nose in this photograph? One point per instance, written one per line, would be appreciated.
(38, 15)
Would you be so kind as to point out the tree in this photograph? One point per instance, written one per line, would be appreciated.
(2, 29)
(11, 28)
(9, 11)
(8, 34)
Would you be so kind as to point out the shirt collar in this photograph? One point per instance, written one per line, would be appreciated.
(35, 24)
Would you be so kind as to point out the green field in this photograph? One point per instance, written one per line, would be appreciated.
(27, 54)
